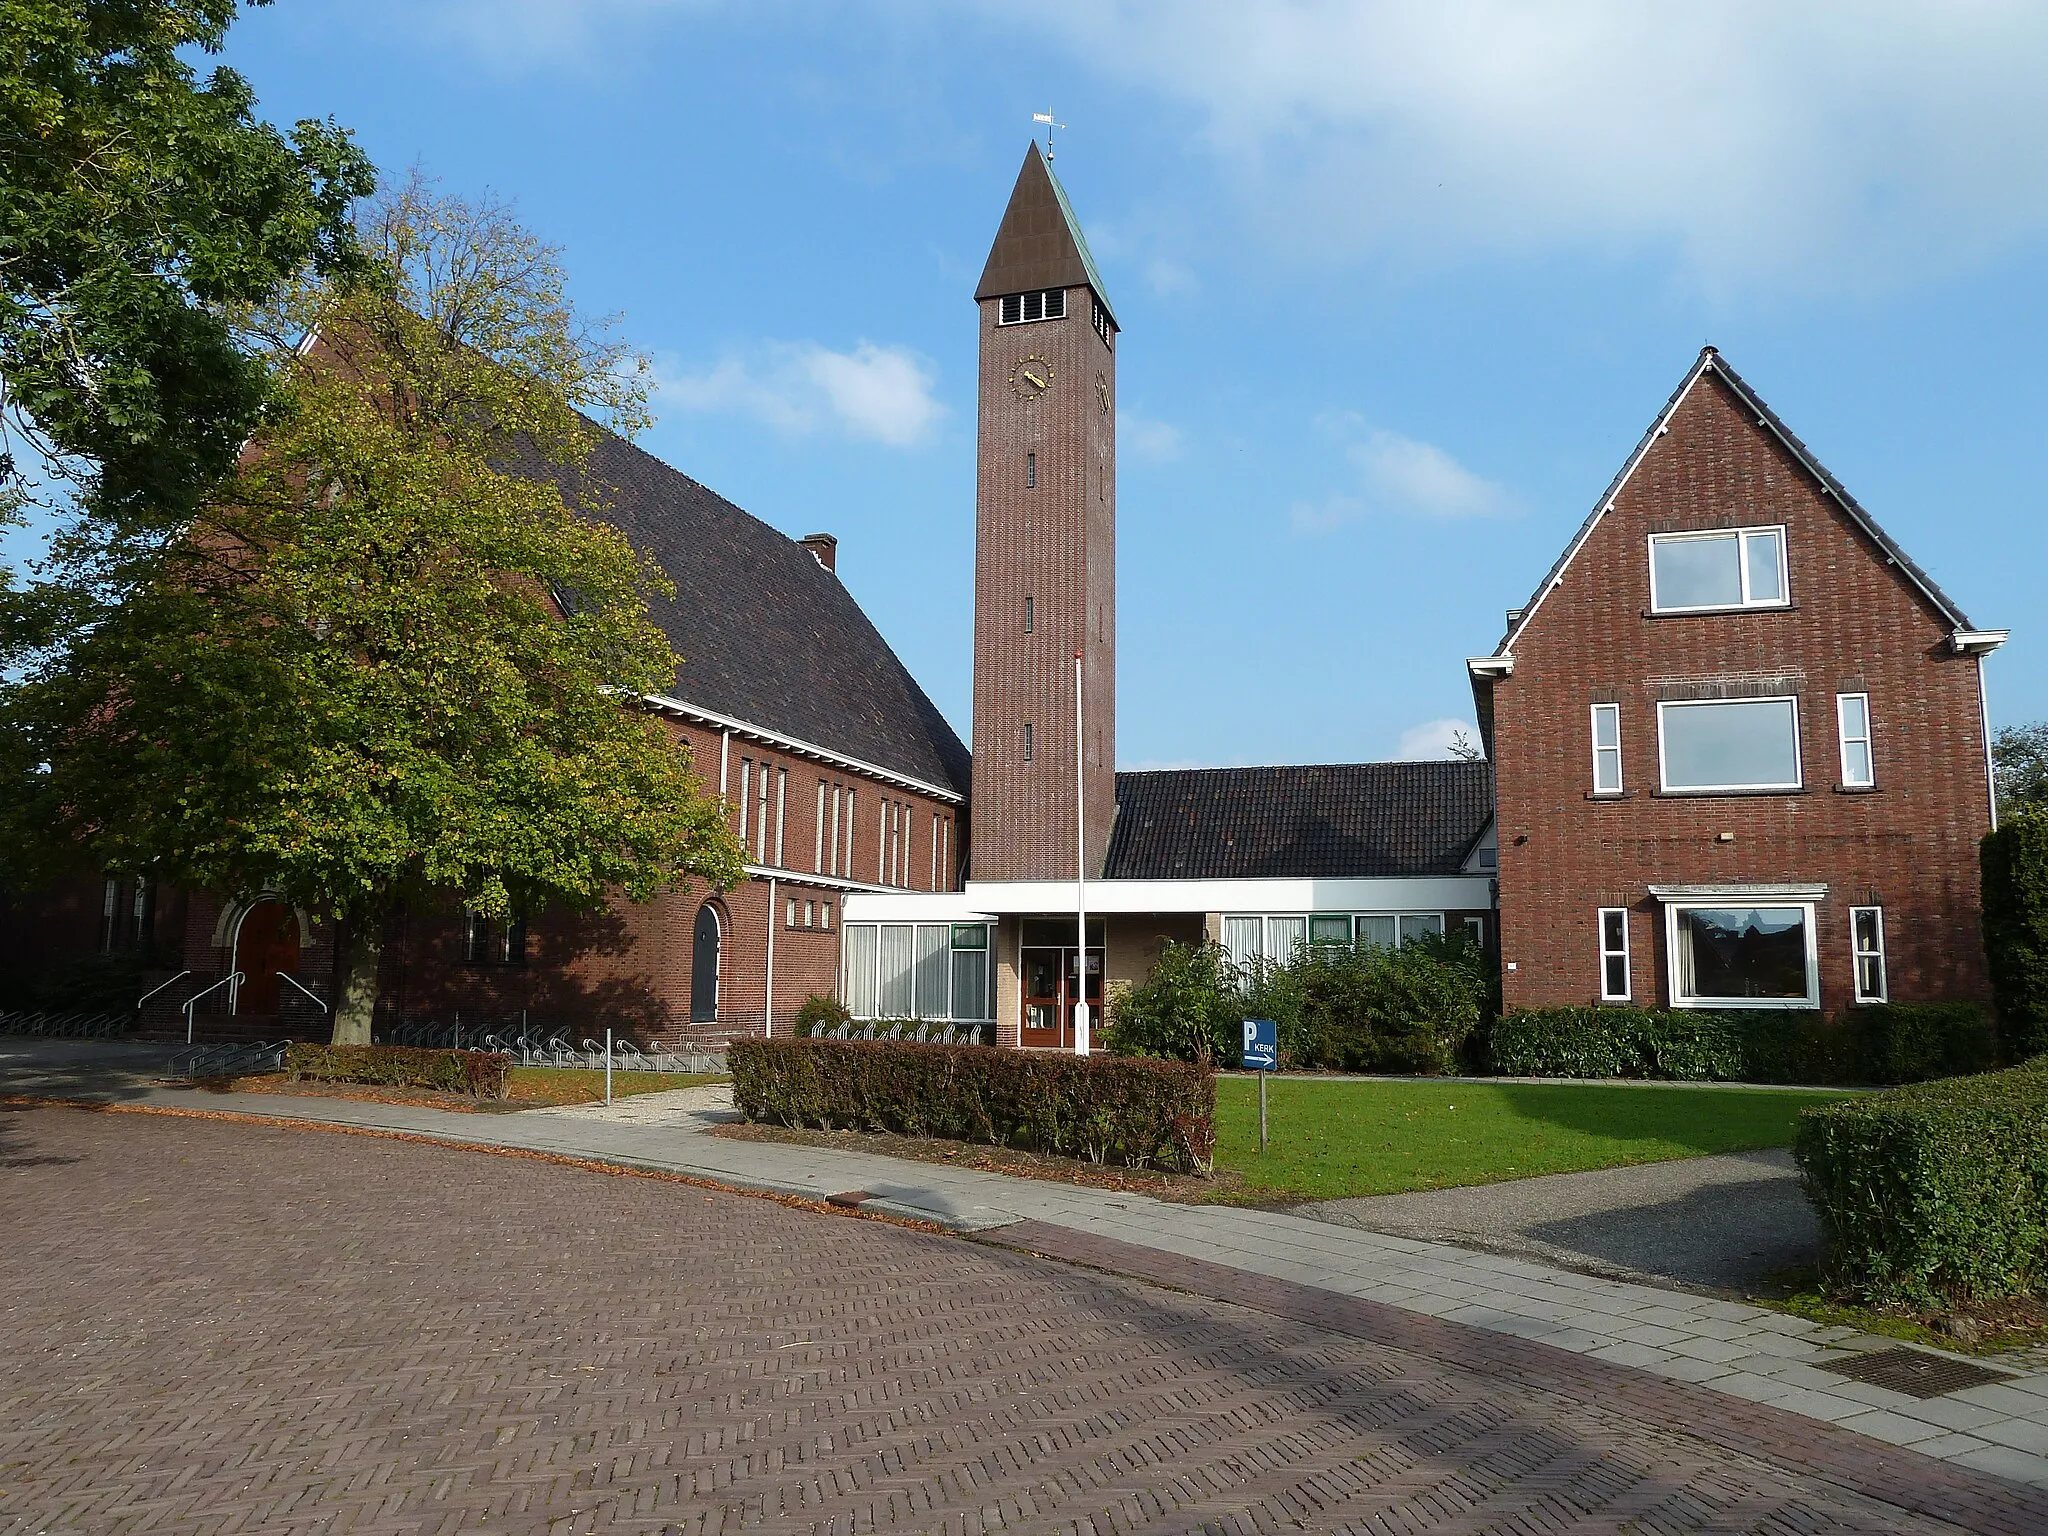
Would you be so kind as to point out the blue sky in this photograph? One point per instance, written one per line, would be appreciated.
(1400, 288)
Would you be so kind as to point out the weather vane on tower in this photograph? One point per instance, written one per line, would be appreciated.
(1046, 118)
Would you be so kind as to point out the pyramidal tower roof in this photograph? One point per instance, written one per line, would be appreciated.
(1039, 244)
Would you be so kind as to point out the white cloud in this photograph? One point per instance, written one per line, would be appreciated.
(1143, 438)
(1824, 144)
(881, 394)
(1399, 475)
(513, 36)
(1420, 477)
(1169, 279)
(1434, 739)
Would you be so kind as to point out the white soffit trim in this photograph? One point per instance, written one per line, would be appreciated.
(871, 906)
(1490, 666)
(1817, 892)
(1390, 893)
(1605, 504)
(798, 748)
(804, 877)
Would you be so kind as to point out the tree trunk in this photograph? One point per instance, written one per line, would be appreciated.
(358, 1001)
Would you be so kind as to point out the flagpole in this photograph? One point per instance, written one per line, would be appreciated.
(1080, 869)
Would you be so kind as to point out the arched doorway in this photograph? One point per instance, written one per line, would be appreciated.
(266, 942)
(704, 967)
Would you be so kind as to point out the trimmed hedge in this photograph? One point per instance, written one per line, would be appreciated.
(1883, 1043)
(2015, 865)
(486, 1074)
(1937, 1193)
(1105, 1108)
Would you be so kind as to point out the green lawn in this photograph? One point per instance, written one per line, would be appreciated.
(1330, 1139)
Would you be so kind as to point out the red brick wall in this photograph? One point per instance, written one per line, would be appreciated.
(1859, 625)
(1056, 544)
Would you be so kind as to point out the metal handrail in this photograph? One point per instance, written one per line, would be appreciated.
(232, 978)
(152, 992)
(315, 996)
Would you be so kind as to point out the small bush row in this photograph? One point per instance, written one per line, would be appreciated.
(1406, 1009)
(1882, 1043)
(486, 1074)
(1936, 1193)
(1108, 1109)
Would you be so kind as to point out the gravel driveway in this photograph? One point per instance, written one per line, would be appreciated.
(1717, 1222)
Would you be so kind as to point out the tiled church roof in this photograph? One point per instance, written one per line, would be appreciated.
(1329, 821)
(767, 635)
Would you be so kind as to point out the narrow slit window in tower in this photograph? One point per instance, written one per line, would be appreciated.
(1030, 471)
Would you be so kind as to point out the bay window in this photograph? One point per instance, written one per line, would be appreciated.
(1728, 744)
(1727, 954)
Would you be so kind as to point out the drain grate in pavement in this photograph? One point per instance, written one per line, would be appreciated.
(1913, 1372)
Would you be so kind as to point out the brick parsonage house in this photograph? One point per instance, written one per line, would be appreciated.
(1736, 756)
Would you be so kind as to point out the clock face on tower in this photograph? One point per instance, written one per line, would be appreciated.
(1031, 377)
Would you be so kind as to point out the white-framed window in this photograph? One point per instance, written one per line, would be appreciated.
(1852, 722)
(818, 843)
(1614, 966)
(1249, 938)
(835, 829)
(1731, 954)
(746, 783)
(1866, 944)
(914, 970)
(1724, 568)
(1719, 744)
(852, 795)
(1606, 749)
(1023, 308)
(781, 811)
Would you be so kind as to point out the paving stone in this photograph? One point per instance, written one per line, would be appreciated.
(225, 1327)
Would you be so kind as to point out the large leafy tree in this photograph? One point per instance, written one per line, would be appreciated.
(142, 209)
(2019, 753)
(394, 657)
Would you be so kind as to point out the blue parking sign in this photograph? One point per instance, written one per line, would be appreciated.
(1261, 1045)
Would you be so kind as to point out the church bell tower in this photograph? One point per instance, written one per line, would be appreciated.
(1044, 542)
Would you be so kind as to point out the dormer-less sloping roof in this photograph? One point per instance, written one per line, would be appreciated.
(1039, 243)
(1328, 821)
(767, 635)
(1711, 361)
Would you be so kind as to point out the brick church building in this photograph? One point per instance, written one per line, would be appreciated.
(1736, 755)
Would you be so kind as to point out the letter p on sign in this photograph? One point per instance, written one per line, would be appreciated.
(1261, 1045)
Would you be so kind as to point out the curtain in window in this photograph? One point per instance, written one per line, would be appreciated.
(970, 985)
(1415, 924)
(899, 943)
(1284, 935)
(858, 987)
(934, 981)
(1241, 941)
(1378, 931)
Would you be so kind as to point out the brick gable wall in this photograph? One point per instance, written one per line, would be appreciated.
(1858, 625)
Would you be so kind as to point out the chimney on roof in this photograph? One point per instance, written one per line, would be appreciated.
(824, 549)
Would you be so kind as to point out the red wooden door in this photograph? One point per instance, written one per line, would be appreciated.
(266, 943)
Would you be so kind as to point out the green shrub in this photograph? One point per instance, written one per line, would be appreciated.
(1185, 1010)
(1912, 1042)
(1935, 1193)
(1409, 1009)
(1885, 1043)
(1109, 1109)
(818, 1013)
(2015, 866)
(486, 1074)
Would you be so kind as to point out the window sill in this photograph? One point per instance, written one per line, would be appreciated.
(1724, 794)
(1709, 613)
(1610, 794)
(1855, 789)
(1759, 1004)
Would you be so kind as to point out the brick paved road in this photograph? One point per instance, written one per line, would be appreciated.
(225, 1327)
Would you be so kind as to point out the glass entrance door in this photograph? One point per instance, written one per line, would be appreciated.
(1050, 988)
